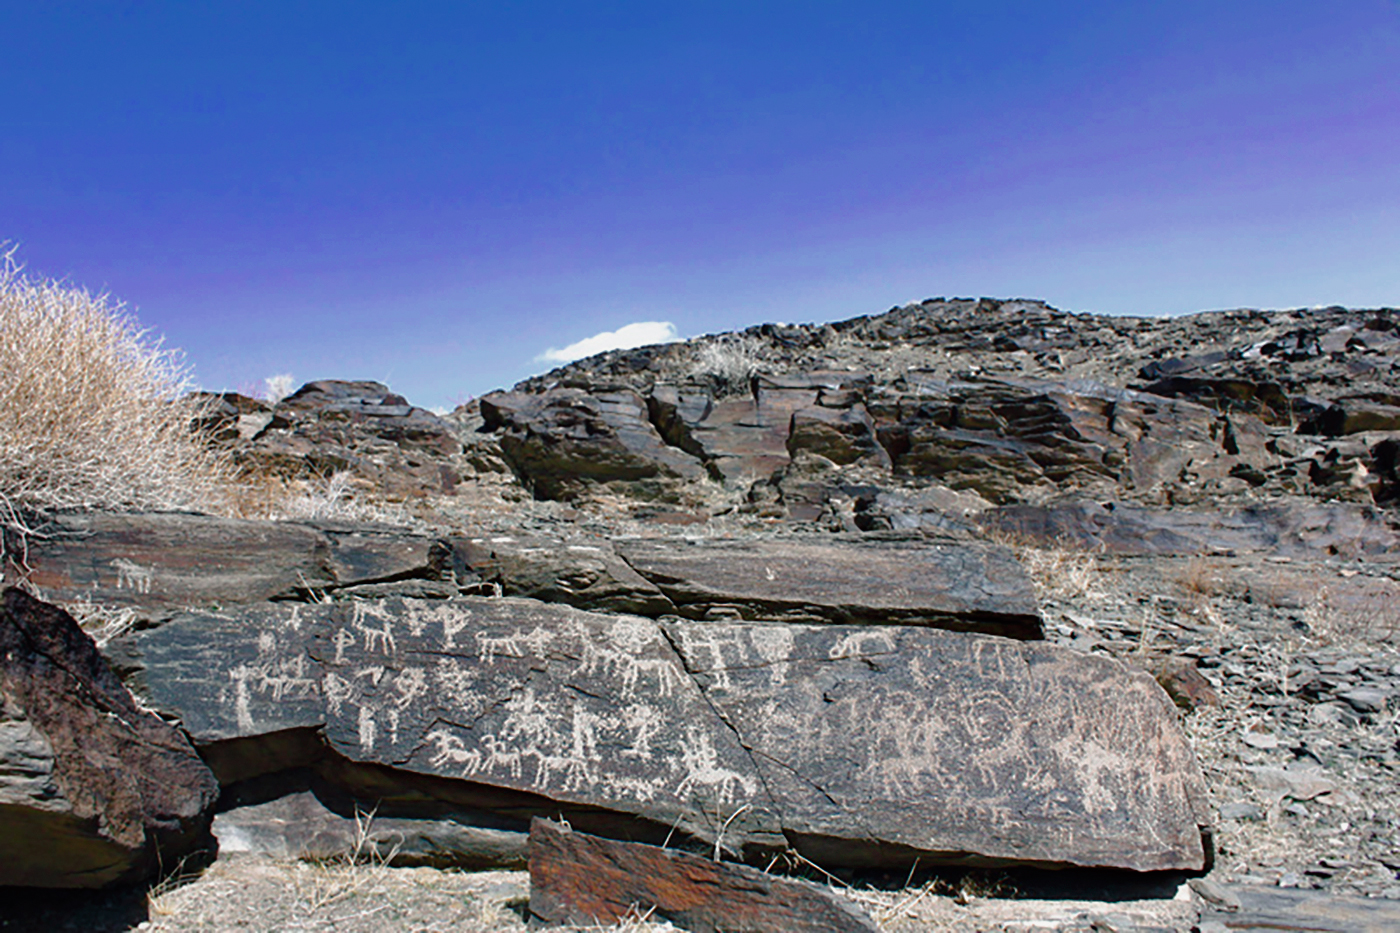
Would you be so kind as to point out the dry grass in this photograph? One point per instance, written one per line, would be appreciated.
(91, 409)
(1059, 570)
(731, 360)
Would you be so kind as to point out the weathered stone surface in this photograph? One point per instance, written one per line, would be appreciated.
(857, 745)
(745, 438)
(166, 560)
(580, 879)
(93, 791)
(966, 586)
(563, 441)
(1295, 528)
(978, 749)
(301, 826)
(332, 426)
(1267, 910)
(586, 574)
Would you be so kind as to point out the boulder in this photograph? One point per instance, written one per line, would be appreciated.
(299, 825)
(332, 426)
(859, 746)
(577, 879)
(565, 441)
(956, 585)
(165, 560)
(93, 790)
(585, 573)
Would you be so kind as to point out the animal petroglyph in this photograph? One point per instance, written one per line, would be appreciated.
(382, 636)
(451, 751)
(131, 575)
(702, 770)
(861, 643)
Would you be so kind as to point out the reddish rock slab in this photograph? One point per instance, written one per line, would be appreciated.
(580, 879)
(93, 791)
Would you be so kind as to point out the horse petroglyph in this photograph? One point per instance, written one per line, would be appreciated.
(131, 575)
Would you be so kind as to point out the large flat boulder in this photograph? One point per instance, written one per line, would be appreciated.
(858, 745)
(956, 585)
(93, 790)
(163, 560)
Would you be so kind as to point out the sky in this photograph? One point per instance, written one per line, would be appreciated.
(449, 197)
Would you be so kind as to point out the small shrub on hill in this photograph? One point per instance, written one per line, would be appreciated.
(91, 409)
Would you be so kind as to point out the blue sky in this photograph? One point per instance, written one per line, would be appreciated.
(436, 194)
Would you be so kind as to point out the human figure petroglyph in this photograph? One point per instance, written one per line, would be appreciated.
(643, 720)
(337, 692)
(702, 770)
(367, 729)
(454, 620)
(342, 640)
(131, 575)
(693, 643)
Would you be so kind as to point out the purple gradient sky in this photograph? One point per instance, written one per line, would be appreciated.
(433, 194)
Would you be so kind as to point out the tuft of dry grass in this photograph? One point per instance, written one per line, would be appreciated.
(92, 413)
(731, 360)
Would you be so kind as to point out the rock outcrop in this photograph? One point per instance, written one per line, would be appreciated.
(858, 745)
(93, 790)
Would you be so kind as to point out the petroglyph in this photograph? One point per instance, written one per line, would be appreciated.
(702, 769)
(863, 642)
(337, 692)
(382, 636)
(131, 575)
(617, 654)
(451, 751)
(342, 640)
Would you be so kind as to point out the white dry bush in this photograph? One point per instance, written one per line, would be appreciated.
(732, 360)
(92, 413)
(278, 387)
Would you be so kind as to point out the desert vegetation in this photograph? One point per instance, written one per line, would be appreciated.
(93, 410)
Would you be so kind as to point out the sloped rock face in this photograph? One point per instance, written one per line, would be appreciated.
(93, 791)
(862, 746)
(1017, 403)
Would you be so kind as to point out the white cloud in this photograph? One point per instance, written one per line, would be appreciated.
(639, 334)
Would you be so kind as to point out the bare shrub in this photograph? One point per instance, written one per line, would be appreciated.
(91, 409)
(731, 361)
(278, 387)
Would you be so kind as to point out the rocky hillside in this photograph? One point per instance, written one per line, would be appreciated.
(970, 596)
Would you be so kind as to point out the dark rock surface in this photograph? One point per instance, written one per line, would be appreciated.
(93, 790)
(584, 880)
(160, 561)
(751, 737)
(956, 585)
